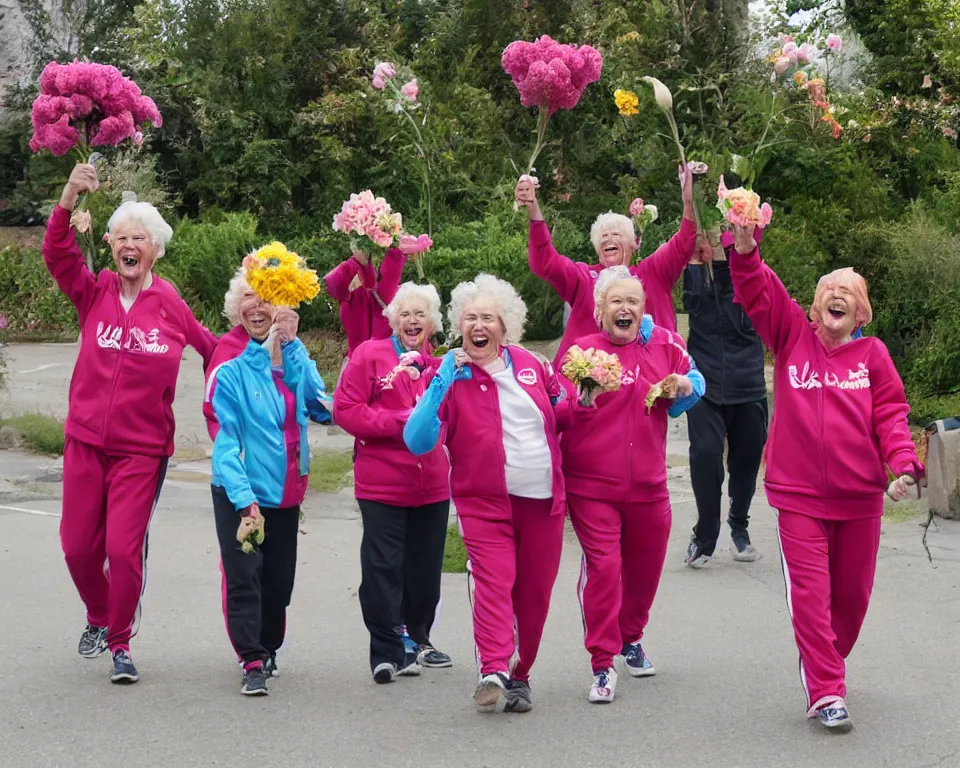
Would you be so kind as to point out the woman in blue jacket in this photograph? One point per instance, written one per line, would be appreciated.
(262, 400)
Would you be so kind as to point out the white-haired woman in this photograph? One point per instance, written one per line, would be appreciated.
(615, 469)
(404, 499)
(614, 241)
(119, 431)
(258, 404)
(504, 444)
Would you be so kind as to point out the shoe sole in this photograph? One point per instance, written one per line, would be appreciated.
(93, 654)
(698, 563)
(258, 692)
(649, 672)
(751, 558)
(125, 679)
(488, 697)
(597, 700)
(441, 665)
(842, 727)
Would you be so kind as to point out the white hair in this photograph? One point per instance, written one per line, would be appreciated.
(510, 307)
(605, 279)
(408, 291)
(148, 217)
(615, 221)
(234, 295)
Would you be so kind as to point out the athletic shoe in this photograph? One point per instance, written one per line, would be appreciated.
(748, 554)
(489, 691)
(695, 557)
(385, 673)
(254, 682)
(835, 716)
(93, 642)
(410, 666)
(270, 667)
(636, 661)
(604, 686)
(123, 669)
(517, 697)
(431, 658)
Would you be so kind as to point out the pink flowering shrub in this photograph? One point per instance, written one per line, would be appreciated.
(87, 105)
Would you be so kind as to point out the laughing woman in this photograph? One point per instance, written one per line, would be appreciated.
(619, 504)
(404, 500)
(498, 424)
(839, 424)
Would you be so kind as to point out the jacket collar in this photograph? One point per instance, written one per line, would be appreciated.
(256, 355)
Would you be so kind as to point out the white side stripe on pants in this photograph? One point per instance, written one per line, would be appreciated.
(789, 594)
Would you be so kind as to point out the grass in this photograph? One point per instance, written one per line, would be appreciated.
(330, 471)
(904, 512)
(454, 552)
(39, 432)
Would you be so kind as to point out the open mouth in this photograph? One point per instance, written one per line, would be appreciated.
(129, 261)
(611, 249)
(412, 333)
(837, 313)
(623, 322)
(258, 322)
(480, 341)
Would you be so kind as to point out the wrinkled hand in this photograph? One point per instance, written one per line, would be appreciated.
(460, 357)
(901, 487)
(684, 386)
(686, 188)
(83, 178)
(250, 520)
(361, 258)
(743, 239)
(587, 398)
(525, 195)
(285, 323)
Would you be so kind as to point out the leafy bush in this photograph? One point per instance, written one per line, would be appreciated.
(40, 433)
(29, 298)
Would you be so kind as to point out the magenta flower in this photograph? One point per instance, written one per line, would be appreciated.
(834, 43)
(410, 90)
(549, 74)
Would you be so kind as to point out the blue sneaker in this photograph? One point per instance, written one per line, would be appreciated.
(636, 661)
(835, 716)
(123, 670)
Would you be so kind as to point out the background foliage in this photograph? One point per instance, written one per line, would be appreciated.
(270, 123)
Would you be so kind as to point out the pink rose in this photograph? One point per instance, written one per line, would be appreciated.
(379, 83)
(790, 50)
(834, 43)
(806, 53)
(385, 71)
(766, 214)
(785, 38)
(410, 90)
(636, 207)
(781, 65)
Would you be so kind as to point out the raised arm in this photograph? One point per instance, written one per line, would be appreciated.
(422, 429)
(228, 469)
(890, 410)
(61, 253)
(337, 281)
(391, 273)
(777, 318)
(665, 265)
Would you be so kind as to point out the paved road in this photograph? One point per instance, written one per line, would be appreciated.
(726, 695)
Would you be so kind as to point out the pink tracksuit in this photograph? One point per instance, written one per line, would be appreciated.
(514, 543)
(360, 312)
(368, 407)
(840, 421)
(614, 465)
(574, 280)
(119, 427)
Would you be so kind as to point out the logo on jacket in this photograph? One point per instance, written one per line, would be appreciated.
(527, 376)
(110, 337)
(810, 379)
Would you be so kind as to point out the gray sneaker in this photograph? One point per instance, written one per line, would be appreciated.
(517, 697)
(748, 554)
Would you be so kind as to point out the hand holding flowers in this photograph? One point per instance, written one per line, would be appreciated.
(251, 533)
(593, 372)
(672, 387)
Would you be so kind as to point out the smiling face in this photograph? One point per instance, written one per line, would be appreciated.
(838, 312)
(482, 330)
(622, 311)
(615, 247)
(133, 252)
(413, 322)
(256, 315)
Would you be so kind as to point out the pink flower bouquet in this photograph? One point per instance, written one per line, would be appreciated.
(742, 206)
(550, 76)
(590, 370)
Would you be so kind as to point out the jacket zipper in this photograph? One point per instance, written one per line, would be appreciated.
(723, 357)
(116, 371)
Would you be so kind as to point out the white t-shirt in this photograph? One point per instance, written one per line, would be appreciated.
(529, 467)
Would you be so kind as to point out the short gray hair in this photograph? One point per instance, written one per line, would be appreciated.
(147, 217)
(234, 295)
(410, 290)
(614, 221)
(510, 307)
(605, 279)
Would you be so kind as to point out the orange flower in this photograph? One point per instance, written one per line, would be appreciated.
(800, 77)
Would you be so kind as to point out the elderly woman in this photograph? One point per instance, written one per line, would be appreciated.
(614, 462)
(119, 430)
(503, 439)
(261, 401)
(615, 243)
(839, 425)
(404, 499)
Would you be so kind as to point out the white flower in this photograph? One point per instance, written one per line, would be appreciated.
(661, 93)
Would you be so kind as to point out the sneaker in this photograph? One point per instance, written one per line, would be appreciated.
(270, 667)
(604, 686)
(695, 557)
(385, 673)
(517, 697)
(410, 668)
(93, 642)
(489, 691)
(431, 658)
(748, 554)
(254, 682)
(409, 643)
(123, 669)
(835, 716)
(636, 661)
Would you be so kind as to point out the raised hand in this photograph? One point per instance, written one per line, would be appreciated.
(743, 239)
(686, 190)
(286, 322)
(83, 178)
(525, 194)
(361, 257)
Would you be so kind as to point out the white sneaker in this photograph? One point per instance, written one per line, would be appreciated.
(489, 691)
(748, 554)
(604, 686)
(385, 673)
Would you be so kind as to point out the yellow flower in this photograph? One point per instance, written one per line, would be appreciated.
(800, 77)
(627, 102)
(281, 277)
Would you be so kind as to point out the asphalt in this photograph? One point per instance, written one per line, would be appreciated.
(726, 694)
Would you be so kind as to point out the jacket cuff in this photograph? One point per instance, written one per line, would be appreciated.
(904, 462)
